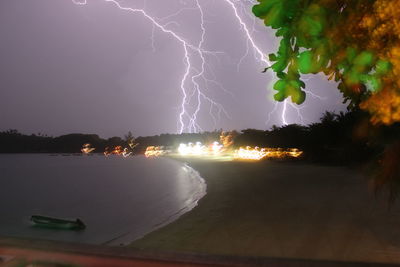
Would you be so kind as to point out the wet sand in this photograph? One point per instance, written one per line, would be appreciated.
(284, 210)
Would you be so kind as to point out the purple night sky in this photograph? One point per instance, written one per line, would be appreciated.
(94, 68)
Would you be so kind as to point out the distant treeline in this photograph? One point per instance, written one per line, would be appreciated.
(12, 141)
(338, 138)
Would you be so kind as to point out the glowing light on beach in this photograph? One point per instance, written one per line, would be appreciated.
(132, 144)
(87, 149)
(118, 150)
(217, 151)
(155, 151)
(197, 149)
(258, 154)
(294, 152)
(250, 153)
(216, 148)
(226, 139)
(126, 153)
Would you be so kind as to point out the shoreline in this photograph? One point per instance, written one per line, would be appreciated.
(119, 199)
(290, 210)
(192, 203)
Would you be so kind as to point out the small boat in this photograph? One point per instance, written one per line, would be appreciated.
(49, 222)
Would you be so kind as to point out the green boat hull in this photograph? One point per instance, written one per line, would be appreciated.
(57, 223)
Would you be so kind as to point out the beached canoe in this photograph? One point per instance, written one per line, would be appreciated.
(50, 222)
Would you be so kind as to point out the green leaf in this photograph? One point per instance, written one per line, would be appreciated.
(275, 17)
(351, 53)
(261, 10)
(382, 67)
(305, 62)
(280, 85)
(364, 59)
(280, 96)
(281, 75)
(299, 97)
(272, 57)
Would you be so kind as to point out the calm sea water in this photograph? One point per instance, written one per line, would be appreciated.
(119, 199)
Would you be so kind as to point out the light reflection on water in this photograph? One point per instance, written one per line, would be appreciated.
(120, 199)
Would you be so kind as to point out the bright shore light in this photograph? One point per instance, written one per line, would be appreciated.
(250, 153)
(217, 151)
(118, 150)
(191, 149)
(154, 151)
(257, 153)
(87, 149)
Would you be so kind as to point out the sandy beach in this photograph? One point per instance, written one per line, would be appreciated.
(284, 210)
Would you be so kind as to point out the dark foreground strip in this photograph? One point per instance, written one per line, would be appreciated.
(29, 252)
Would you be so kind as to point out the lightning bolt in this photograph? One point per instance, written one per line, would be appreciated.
(187, 121)
(249, 39)
(195, 83)
(260, 56)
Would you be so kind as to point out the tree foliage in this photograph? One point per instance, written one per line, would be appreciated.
(354, 42)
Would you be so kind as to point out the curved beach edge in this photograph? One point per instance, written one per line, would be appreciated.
(189, 204)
